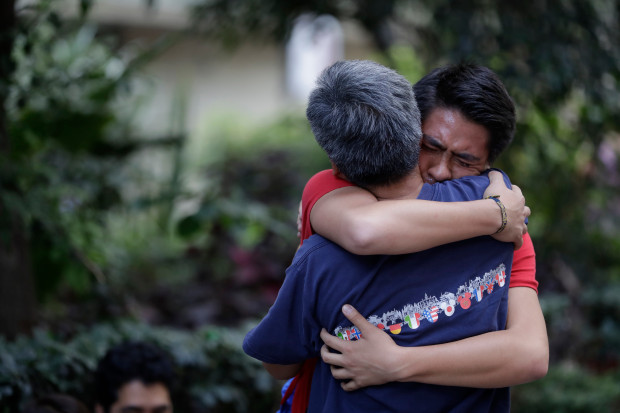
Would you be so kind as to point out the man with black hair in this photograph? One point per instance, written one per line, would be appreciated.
(134, 377)
(477, 94)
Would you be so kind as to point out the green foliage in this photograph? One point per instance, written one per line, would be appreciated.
(241, 235)
(569, 389)
(67, 143)
(254, 182)
(233, 21)
(64, 84)
(213, 373)
(404, 60)
(586, 325)
(232, 233)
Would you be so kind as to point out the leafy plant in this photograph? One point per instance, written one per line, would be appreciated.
(62, 166)
(213, 374)
(569, 389)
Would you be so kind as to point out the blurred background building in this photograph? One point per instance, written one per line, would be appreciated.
(256, 81)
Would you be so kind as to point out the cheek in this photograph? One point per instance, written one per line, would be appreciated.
(427, 161)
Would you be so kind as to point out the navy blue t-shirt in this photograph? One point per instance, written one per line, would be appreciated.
(435, 296)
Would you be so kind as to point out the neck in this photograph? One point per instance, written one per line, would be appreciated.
(408, 187)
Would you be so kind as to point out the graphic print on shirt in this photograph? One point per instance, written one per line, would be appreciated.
(431, 309)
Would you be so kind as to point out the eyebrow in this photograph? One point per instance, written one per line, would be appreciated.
(433, 141)
(463, 155)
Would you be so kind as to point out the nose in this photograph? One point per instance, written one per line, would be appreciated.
(441, 171)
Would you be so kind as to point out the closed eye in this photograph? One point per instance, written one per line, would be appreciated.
(464, 164)
(431, 148)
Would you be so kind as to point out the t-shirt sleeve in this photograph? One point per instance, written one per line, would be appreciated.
(288, 333)
(523, 272)
(320, 184)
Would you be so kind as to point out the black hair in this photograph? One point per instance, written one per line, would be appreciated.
(475, 91)
(127, 362)
(364, 115)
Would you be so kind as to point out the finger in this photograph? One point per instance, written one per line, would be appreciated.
(340, 373)
(517, 190)
(349, 385)
(330, 358)
(528, 211)
(496, 177)
(332, 341)
(518, 244)
(356, 318)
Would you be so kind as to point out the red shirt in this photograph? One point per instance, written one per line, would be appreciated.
(523, 264)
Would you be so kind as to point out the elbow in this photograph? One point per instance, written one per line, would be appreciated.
(281, 371)
(540, 368)
(361, 238)
(360, 242)
(280, 376)
(536, 363)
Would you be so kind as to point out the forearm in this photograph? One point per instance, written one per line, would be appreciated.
(509, 357)
(487, 361)
(406, 226)
(282, 371)
(497, 359)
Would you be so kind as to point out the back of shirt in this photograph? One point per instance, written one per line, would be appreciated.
(440, 295)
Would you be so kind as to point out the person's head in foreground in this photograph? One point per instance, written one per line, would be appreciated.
(134, 377)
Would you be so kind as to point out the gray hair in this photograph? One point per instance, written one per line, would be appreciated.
(365, 116)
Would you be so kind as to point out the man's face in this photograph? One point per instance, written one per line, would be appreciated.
(135, 397)
(452, 146)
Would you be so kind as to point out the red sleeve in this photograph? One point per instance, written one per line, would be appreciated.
(523, 272)
(320, 184)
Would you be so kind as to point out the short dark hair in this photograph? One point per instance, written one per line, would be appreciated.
(127, 362)
(478, 93)
(364, 115)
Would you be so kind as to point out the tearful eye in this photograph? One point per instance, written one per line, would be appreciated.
(430, 148)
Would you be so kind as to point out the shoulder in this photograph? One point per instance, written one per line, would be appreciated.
(322, 183)
(315, 246)
(319, 185)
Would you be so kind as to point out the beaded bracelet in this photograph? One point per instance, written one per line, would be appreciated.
(502, 209)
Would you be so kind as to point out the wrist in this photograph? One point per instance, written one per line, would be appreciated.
(408, 364)
(502, 211)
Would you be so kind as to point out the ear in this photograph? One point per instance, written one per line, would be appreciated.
(335, 169)
(337, 172)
